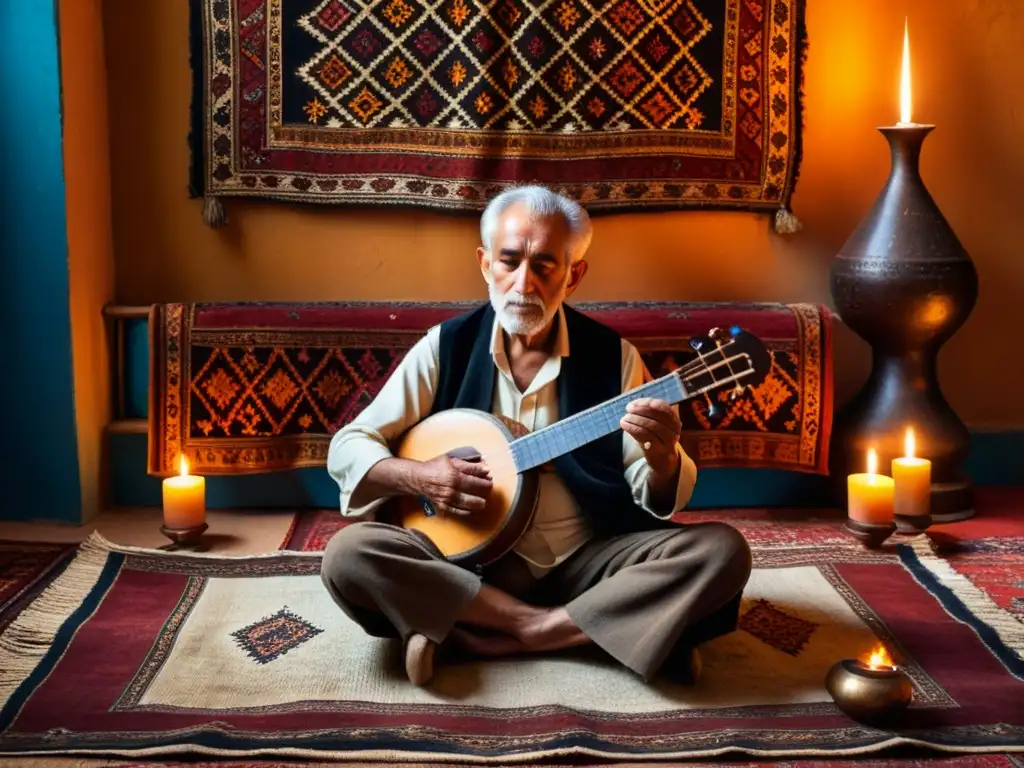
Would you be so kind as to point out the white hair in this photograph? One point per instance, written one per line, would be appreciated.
(540, 201)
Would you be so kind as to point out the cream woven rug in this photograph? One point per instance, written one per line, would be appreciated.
(243, 656)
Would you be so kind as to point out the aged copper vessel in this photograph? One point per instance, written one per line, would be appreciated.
(904, 283)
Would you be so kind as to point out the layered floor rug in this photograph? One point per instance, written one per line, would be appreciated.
(134, 653)
(959, 761)
(26, 567)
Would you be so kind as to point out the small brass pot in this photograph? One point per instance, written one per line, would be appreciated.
(866, 694)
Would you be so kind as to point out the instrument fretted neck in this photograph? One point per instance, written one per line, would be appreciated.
(568, 434)
(721, 366)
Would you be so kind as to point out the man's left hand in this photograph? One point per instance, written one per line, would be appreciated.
(656, 426)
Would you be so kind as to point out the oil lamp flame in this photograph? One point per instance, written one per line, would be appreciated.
(880, 659)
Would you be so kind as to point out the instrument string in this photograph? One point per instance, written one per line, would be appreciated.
(687, 373)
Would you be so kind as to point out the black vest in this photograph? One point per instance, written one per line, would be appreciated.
(590, 375)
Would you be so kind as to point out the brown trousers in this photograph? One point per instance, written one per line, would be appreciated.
(640, 597)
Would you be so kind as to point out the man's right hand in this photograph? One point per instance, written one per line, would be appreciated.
(454, 486)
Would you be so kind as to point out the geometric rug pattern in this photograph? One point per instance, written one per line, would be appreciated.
(625, 105)
(256, 387)
(134, 652)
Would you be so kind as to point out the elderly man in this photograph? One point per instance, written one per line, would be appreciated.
(595, 567)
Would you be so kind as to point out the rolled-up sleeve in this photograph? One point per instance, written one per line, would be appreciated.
(637, 470)
(404, 400)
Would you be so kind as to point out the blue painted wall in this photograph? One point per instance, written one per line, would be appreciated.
(40, 449)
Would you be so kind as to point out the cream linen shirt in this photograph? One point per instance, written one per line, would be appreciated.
(406, 398)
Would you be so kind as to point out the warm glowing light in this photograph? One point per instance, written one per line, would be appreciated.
(872, 461)
(908, 443)
(905, 77)
(184, 466)
(880, 659)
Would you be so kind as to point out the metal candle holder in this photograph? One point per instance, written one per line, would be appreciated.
(871, 535)
(869, 694)
(184, 538)
(912, 524)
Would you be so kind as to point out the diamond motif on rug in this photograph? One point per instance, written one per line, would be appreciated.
(398, 43)
(777, 628)
(273, 636)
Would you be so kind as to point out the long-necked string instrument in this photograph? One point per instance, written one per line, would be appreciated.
(726, 360)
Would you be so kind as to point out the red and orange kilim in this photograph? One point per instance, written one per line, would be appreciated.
(253, 387)
(623, 105)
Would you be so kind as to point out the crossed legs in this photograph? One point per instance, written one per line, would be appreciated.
(637, 596)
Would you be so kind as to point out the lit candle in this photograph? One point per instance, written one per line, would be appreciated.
(184, 500)
(905, 78)
(912, 477)
(870, 495)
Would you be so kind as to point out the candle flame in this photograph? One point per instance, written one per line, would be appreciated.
(908, 443)
(184, 466)
(905, 76)
(872, 461)
(880, 659)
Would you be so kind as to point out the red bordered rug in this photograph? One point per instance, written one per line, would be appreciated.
(25, 568)
(142, 652)
(966, 761)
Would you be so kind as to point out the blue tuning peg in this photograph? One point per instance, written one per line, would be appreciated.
(716, 413)
(735, 330)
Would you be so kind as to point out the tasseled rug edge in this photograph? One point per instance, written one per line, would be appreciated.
(27, 640)
(786, 223)
(214, 214)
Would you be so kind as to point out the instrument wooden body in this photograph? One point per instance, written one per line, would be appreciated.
(481, 537)
(473, 540)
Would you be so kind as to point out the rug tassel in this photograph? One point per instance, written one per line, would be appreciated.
(28, 638)
(786, 223)
(213, 212)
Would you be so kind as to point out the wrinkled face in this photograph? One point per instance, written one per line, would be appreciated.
(528, 270)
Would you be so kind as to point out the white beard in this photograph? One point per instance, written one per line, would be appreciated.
(520, 323)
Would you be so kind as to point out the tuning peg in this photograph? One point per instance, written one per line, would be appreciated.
(697, 343)
(717, 334)
(716, 412)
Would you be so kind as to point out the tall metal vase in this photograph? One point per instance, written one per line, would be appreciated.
(904, 283)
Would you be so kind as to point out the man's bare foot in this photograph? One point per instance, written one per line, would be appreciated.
(419, 659)
(486, 645)
(551, 630)
(540, 630)
(536, 629)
